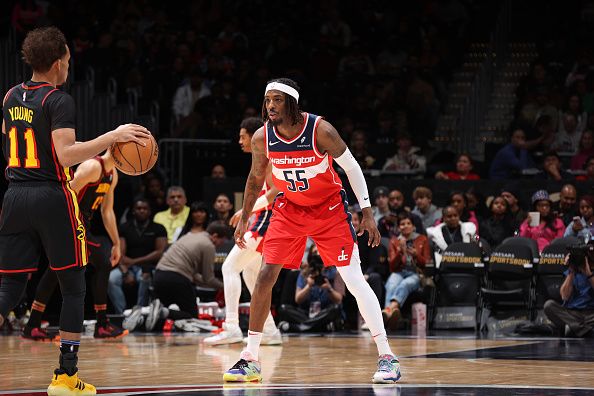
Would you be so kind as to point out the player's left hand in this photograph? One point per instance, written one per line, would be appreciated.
(368, 224)
(235, 218)
(116, 254)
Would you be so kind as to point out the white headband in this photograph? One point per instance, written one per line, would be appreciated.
(278, 86)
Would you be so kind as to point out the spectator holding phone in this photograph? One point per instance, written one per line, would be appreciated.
(582, 226)
(408, 253)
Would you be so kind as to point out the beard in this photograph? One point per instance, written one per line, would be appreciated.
(278, 121)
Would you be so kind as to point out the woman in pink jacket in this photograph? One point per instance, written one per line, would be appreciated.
(550, 226)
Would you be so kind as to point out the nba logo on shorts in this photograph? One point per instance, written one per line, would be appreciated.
(342, 256)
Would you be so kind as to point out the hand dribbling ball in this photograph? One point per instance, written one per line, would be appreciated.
(133, 159)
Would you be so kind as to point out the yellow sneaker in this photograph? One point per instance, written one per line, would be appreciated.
(65, 385)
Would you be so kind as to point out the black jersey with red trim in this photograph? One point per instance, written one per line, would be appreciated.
(92, 195)
(31, 111)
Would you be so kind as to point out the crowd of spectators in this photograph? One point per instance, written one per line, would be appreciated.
(378, 68)
(206, 63)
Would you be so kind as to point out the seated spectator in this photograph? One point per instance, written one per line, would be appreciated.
(318, 297)
(552, 168)
(388, 225)
(154, 193)
(550, 226)
(589, 167)
(500, 224)
(197, 220)
(464, 166)
(567, 139)
(583, 226)
(381, 207)
(360, 150)
(511, 193)
(573, 107)
(512, 158)
(449, 231)
(476, 203)
(542, 136)
(576, 316)
(223, 208)
(189, 262)
(186, 96)
(218, 172)
(424, 207)
(458, 200)
(175, 217)
(407, 157)
(142, 242)
(566, 208)
(408, 254)
(585, 151)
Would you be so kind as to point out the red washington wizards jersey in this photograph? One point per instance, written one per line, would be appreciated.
(299, 170)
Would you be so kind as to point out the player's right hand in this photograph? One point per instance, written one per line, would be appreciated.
(234, 220)
(240, 232)
(131, 133)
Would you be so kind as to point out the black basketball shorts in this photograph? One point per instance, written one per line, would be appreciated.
(41, 215)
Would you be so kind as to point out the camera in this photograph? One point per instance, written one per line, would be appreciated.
(578, 255)
(316, 267)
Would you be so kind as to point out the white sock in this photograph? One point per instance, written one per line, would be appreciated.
(253, 344)
(366, 301)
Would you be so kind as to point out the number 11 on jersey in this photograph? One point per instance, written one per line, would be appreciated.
(31, 160)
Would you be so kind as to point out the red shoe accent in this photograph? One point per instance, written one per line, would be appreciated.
(37, 334)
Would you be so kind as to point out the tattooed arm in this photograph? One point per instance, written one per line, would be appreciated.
(254, 183)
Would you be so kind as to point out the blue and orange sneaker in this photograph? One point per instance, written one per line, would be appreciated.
(38, 334)
(247, 369)
(388, 370)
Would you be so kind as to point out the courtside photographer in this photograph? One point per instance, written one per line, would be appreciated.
(575, 317)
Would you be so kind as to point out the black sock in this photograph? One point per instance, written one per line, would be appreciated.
(68, 357)
(101, 318)
(35, 318)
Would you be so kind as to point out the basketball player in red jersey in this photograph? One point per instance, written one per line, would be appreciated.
(248, 260)
(94, 183)
(312, 203)
(40, 210)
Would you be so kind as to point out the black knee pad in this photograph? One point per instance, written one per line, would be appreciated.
(73, 288)
(12, 290)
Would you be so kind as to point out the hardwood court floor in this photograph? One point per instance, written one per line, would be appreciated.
(165, 362)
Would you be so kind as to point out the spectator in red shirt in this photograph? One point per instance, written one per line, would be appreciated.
(464, 165)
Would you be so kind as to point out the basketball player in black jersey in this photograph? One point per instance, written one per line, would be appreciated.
(94, 183)
(40, 209)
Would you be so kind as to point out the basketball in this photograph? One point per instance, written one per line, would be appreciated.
(134, 159)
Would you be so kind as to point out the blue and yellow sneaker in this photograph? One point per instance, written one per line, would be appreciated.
(247, 369)
(388, 370)
(69, 385)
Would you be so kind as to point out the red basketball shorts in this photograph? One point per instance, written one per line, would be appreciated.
(328, 224)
